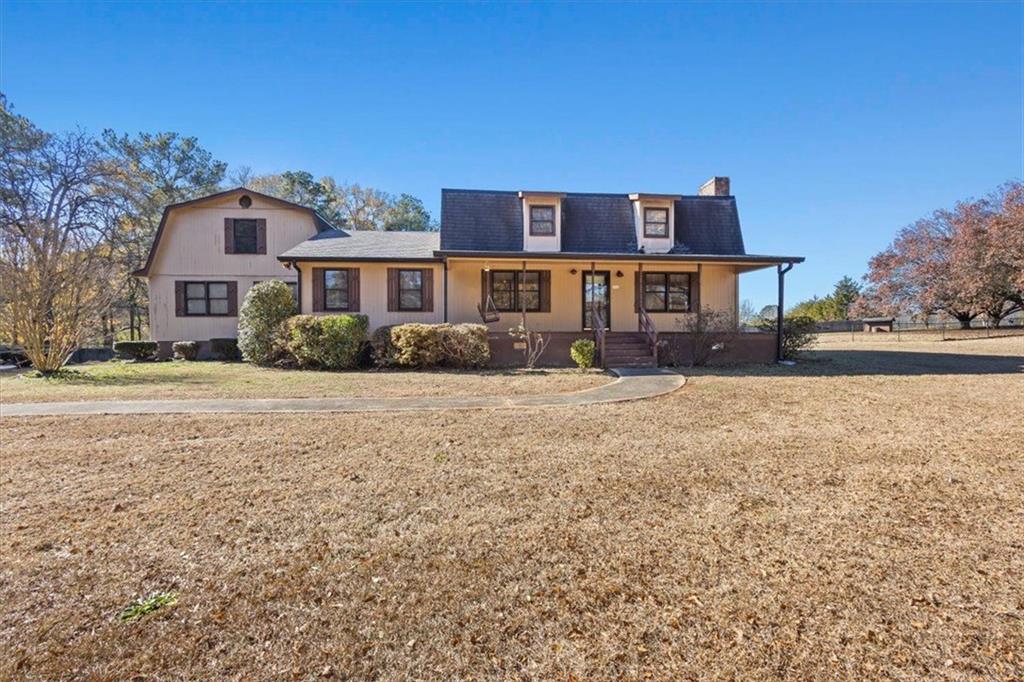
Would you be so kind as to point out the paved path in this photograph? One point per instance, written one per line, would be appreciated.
(631, 384)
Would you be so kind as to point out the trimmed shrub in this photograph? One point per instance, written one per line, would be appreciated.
(225, 349)
(431, 345)
(185, 350)
(326, 342)
(417, 345)
(265, 308)
(465, 345)
(139, 351)
(582, 352)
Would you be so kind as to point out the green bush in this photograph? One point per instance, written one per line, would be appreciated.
(139, 351)
(326, 342)
(582, 352)
(265, 308)
(798, 332)
(185, 350)
(431, 345)
(225, 349)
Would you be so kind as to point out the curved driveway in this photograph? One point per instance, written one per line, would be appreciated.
(631, 384)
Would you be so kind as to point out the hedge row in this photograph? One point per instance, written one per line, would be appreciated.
(431, 345)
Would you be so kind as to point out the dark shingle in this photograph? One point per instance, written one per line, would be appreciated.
(708, 225)
(598, 223)
(480, 220)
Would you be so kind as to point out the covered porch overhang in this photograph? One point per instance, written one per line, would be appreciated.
(711, 285)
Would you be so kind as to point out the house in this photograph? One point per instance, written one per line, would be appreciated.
(629, 269)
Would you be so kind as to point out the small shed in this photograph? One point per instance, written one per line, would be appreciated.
(878, 324)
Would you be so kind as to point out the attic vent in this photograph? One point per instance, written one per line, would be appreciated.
(245, 201)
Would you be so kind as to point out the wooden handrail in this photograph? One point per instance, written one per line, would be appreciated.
(648, 328)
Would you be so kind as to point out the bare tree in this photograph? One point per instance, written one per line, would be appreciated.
(55, 260)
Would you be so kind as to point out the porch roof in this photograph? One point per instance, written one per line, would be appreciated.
(739, 258)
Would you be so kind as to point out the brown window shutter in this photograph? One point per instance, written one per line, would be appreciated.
(353, 290)
(484, 293)
(232, 299)
(545, 291)
(179, 299)
(638, 282)
(428, 290)
(695, 289)
(229, 235)
(392, 289)
(318, 290)
(261, 235)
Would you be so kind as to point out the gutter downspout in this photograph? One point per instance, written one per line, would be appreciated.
(780, 317)
(298, 289)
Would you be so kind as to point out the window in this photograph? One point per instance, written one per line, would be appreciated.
(655, 222)
(410, 290)
(245, 235)
(245, 201)
(542, 220)
(510, 289)
(336, 290)
(666, 292)
(206, 298)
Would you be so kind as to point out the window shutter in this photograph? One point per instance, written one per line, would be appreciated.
(261, 235)
(232, 299)
(392, 289)
(179, 299)
(353, 290)
(318, 290)
(695, 289)
(545, 291)
(229, 235)
(484, 293)
(638, 282)
(428, 290)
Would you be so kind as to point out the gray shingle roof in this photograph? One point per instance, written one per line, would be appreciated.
(366, 245)
(481, 220)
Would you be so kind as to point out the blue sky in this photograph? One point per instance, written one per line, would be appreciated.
(837, 123)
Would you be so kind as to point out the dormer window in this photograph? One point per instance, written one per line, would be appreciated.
(542, 221)
(656, 222)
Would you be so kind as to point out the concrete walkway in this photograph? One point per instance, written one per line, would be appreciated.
(631, 384)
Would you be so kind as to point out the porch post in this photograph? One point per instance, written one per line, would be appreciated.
(780, 316)
(444, 267)
(522, 287)
(638, 281)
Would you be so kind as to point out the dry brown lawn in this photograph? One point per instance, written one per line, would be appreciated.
(858, 516)
(160, 380)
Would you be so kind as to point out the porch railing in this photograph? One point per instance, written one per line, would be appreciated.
(648, 328)
(598, 324)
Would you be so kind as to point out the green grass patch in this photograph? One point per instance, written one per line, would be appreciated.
(146, 605)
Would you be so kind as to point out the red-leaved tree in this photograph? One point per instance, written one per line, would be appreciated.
(965, 262)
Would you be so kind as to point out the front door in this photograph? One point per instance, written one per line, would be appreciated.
(597, 290)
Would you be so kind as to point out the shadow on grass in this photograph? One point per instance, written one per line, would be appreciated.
(822, 362)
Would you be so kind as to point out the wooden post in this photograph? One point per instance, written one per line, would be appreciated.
(639, 295)
(779, 318)
(521, 289)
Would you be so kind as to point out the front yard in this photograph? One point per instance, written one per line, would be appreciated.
(176, 380)
(857, 516)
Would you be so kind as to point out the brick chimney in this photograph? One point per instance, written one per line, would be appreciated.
(717, 186)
